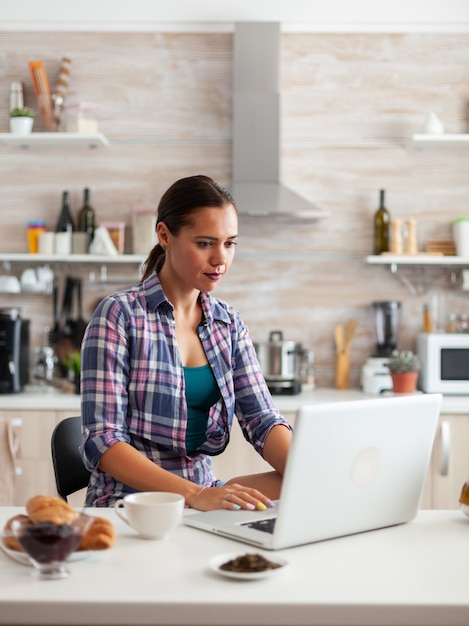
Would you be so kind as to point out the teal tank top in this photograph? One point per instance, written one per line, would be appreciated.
(201, 393)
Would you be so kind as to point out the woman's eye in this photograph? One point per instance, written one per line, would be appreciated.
(231, 244)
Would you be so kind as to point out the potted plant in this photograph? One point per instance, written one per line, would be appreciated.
(21, 120)
(404, 368)
(72, 364)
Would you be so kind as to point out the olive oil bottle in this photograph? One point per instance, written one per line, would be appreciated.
(382, 221)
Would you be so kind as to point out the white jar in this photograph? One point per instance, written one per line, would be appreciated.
(461, 236)
(143, 229)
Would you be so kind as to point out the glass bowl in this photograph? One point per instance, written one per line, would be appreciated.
(48, 544)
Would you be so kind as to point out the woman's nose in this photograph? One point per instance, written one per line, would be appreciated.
(219, 257)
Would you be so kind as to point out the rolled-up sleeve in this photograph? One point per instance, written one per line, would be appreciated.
(104, 372)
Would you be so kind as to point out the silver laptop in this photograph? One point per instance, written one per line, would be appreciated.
(353, 466)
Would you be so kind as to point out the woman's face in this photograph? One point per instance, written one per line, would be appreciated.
(201, 254)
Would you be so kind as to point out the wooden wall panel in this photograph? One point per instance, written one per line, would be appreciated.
(349, 106)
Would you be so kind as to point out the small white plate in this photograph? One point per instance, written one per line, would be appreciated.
(465, 509)
(23, 559)
(217, 561)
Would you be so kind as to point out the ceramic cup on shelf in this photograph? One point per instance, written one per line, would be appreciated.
(63, 243)
(460, 227)
(153, 514)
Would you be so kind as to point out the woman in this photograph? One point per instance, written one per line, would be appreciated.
(165, 367)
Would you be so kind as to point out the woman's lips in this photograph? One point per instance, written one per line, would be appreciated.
(215, 276)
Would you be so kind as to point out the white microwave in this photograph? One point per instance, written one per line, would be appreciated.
(444, 361)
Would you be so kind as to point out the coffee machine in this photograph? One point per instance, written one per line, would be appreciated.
(14, 351)
(375, 376)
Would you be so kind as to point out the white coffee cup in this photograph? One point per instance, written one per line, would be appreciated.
(153, 514)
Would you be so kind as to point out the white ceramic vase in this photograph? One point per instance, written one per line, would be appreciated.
(21, 125)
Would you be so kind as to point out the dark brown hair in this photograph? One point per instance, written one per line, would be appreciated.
(176, 207)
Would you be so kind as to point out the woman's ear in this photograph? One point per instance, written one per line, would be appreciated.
(162, 234)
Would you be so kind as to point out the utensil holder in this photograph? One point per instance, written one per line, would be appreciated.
(342, 371)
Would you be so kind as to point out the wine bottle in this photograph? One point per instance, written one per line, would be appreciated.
(381, 226)
(86, 218)
(65, 221)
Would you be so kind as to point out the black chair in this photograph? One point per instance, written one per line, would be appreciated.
(70, 472)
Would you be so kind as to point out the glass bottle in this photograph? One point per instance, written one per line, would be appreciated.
(381, 227)
(65, 221)
(86, 218)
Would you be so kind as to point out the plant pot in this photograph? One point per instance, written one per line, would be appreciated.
(21, 125)
(404, 382)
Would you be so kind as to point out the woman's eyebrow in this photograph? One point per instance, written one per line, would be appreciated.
(214, 238)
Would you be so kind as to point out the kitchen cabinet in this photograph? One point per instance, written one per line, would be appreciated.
(240, 458)
(449, 467)
(35, 474)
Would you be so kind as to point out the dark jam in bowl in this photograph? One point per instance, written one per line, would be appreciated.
(46, 542)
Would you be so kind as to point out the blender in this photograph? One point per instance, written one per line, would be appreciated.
(375, 377)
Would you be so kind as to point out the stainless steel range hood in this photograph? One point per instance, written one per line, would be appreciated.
(256, 185)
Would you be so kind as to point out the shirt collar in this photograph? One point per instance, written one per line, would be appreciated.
(211, 307)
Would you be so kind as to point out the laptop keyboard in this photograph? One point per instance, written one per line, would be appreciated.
(266, 525)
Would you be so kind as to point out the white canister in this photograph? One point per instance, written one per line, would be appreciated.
(143, 229)
(461, 236)
(46, 242)
(63, 243)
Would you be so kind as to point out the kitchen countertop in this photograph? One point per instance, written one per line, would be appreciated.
(410, 574)
(52, 400)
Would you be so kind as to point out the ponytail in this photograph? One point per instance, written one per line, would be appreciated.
(154, 261)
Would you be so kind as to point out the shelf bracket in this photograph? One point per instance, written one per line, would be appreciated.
(415, 287)
(421, 282)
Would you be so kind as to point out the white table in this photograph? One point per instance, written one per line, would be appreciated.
(414, 574)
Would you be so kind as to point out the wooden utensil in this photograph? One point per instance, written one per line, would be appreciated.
(339, 338)
(349, 334)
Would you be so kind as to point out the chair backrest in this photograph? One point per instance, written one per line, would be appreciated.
(70, 472)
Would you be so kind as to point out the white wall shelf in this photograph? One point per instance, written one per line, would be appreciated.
(414, 270)
(418, 259)
(37, 259)
(39, 139)
(444, 140)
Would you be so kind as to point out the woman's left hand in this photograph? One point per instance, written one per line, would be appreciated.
(233, 497)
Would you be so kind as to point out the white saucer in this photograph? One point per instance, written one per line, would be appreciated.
(465, 509)
(217, 561)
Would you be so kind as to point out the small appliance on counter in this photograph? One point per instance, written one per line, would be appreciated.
(14, 350)
(375, 376)
(280, 363)
(444, 361)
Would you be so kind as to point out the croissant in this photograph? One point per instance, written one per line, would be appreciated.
(101, 535)
(464, 497)
(50, 509)
(11, 541)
